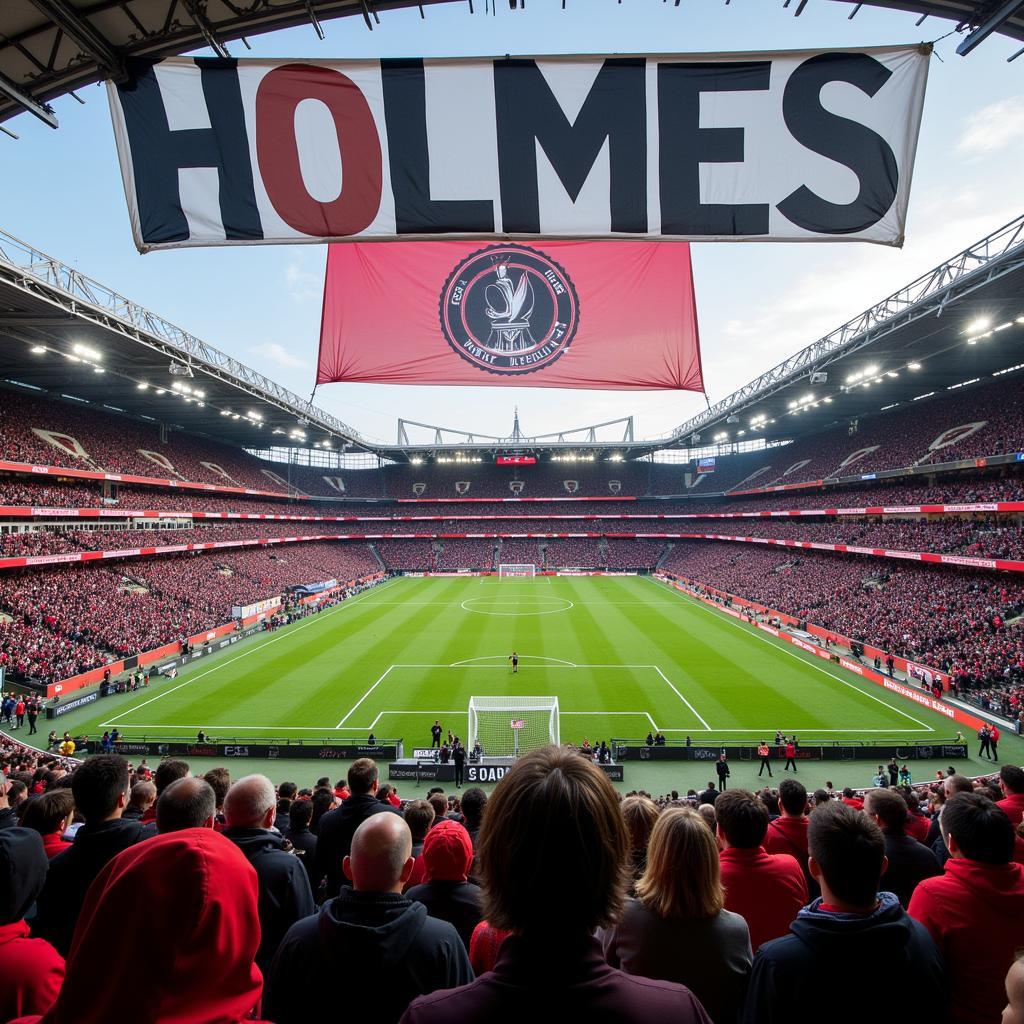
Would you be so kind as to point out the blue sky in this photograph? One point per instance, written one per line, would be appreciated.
(61, 191)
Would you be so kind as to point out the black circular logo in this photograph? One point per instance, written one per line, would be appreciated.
(509, 309)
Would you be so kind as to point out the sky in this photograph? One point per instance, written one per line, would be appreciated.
(758, 303)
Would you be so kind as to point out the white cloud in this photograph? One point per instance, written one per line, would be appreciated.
(993, 128)
(277, 354)
(303, 285)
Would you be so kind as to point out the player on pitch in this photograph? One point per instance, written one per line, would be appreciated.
(514, 658)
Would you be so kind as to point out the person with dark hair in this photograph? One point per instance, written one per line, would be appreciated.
(390, 949)
(300, 814)
(100, 789)
(459, 760)
(553, 857)
(323, 801)
(283, 806)
(447, 892)
(677, 929)
(788, 832)
(284, 891)
(853, 925)
(975, 909)
(220, 782)
(49, 814)
(186, 803)
(334, 835)
(419, 816)
(32, 969)
(766, 889)
(474, 800)
(1011, 784)
(167, 771)
(909, 861)
(188, 902)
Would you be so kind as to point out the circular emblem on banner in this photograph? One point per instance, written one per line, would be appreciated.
(509, 309)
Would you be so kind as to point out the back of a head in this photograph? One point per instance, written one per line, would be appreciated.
(362, 774)
(890, 808)
(47, 812)
(169, 771)
(953, 784)
(850, 850)
(381, 848)
(23, 866)
(793, 796)
(474, 800)
(440, 804)
(981, 830)
(287, 790)
(199, 963)
(448, 852)
(639, 813)
(742, 818)
(97, 785)
(553, 847)
(248, 802)
(143, 795)
(1012, 778)
(683, 875)
(419, 816)
(300, 814)
(220, 781)
(185, 803)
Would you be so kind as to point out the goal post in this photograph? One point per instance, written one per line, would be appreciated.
(510, 726)
(512, 569)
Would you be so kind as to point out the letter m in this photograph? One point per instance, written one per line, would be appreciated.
(614, 112)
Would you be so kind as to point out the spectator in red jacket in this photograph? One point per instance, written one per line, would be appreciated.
(32, 969)
(198, 965)
(767, 889)
(49, 814)
(974, 911)
(1011, 782)
(788, 832)
(554, 860)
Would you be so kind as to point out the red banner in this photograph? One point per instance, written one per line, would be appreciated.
(615, 315)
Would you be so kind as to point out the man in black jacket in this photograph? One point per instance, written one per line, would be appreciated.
(284, 892)
(334, 834)
(909, 861)
(100, 789)
(853, 924)
(387, 947)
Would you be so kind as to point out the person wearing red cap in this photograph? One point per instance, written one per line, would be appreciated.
(198, 966)
(447, 892)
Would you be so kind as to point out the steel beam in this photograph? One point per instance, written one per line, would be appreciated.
(41, 110)
(92, 42)
(991, 24)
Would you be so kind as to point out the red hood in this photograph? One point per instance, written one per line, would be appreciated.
(447, 853)
(1001, 886)
(198, 963)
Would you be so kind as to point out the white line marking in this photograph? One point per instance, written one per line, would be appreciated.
(387, 672)
(757, 634)
(271, 730)
(504, 657)
(681, 697)
(815, 730)
(220, 664)
(418, 711)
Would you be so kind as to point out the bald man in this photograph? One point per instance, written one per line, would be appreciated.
(285, 896)
(185, 803)
(391, 950)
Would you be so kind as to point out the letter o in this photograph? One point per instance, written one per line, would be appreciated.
(277, 98)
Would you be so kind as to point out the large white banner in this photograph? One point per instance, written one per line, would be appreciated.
(785, 146)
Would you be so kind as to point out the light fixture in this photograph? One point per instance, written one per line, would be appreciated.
(142, 386)
(978, 326)
(913, 366)
(38, 350)
(86, 352)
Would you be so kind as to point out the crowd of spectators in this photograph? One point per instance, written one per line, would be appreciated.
(555, 892)
(952, 619)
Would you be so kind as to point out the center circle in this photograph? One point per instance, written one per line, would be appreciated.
(484, 605)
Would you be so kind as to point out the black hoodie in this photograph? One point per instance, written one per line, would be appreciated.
(71, 873)
(285, 896)
(371, 953)
(891, 953)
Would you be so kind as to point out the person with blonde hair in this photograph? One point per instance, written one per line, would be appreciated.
(677, 928)
(639, 812)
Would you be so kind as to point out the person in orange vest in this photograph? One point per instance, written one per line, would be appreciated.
(762, 752)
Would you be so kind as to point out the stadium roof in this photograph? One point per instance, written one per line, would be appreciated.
(51, 47)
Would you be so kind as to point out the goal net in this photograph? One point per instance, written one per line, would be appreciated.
(510, 726)
(517, 570)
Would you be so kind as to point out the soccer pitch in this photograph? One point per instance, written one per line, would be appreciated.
(623, 655)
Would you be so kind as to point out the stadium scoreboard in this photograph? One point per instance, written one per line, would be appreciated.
(515, 460)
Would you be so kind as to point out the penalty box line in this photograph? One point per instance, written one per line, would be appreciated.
(631, 714)
(524, 668)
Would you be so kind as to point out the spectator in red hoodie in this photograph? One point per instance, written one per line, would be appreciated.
(49, 814)
(974, 911)
(32, 969)
(788, 832)
(198, 966)
(447, 892)
(1011, 782)
(766, 889)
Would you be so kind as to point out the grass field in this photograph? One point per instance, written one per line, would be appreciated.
(624, 655)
